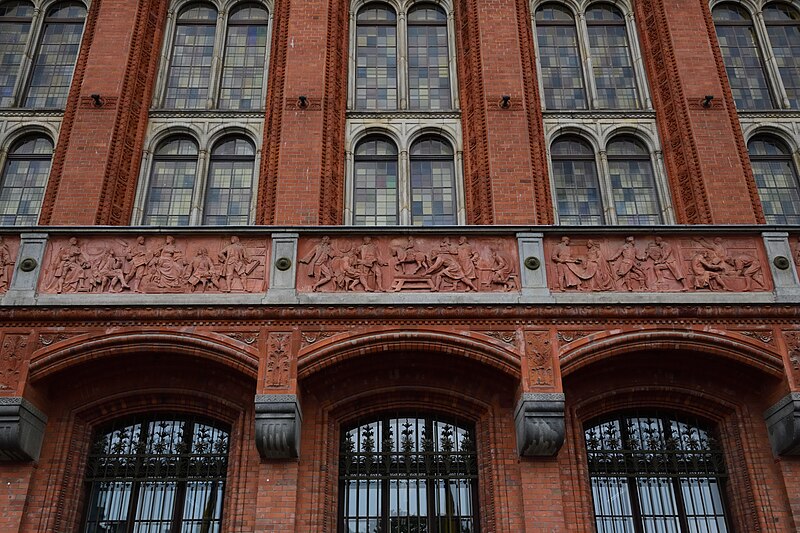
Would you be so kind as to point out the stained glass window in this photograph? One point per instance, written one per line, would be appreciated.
(164, 474)
(230, 183)
(577, 190)
(433, 192)
(632, 182)
(15, 27)
(776, 179)
(428, 59)
(376, 58)
(192, 53)
(375, 179)
(172, 181)
(559, 58)
(23, 181)
(743, 63)
(245, 53)
(655, 472)
(55, 58)
(612, 68)
(783, 29)
(408, 474)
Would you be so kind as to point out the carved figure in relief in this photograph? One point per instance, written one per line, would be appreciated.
(629, 274)
(6, 262)
(69, 272)
(467, 258)
(502, 272)
(717, 255)
(707, 272)
(566, 266)
(169, 266)
(797, 253)
(749, 268)
(661, 254)
(368, 258)
(318, 261)
(107, 274)
(137, 258)
(236, 265)
(202, 272)
(597, 274)
(408, 254)
(446, 266)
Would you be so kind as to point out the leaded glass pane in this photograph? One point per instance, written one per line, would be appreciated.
(376, 58)
(54, 63)
(165, 475)
(612, 67)
(428, 59)
(577, 190)
(655, 473)
(737, 42)
(783, 28)
(559, 59)
(192, 52)
(172, 178)
(433, 192)
(776, 179)
(632, 183)
(23, 181)
(15, 25)
(375, 183)
(230, 184)
(245, 54)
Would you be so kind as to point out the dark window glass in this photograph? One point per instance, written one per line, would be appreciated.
(632, 182)
(192, 52)
(375, 183)
(612, 67)
(245, 54)
(169, 197)
(577, 190)
(776, 178)
(376, 58)
(408, 474)
(54, 63)
(560, 61)
(655, 472)
(428, 59)
(157, 475)
(783, 28)
(23, 181)
(230, 183)
(433, 190)
(15, 26)
(737, 42)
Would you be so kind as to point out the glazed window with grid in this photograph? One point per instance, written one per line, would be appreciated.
(761, 54)
(775, 172)
(38, 51)
(408, 474)
(586, 61)
(656, 472)
(22, 183)
(217, 60)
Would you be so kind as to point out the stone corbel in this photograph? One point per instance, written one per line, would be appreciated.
(278, 422)
(21, 430)
(783, 424)
(539, 421)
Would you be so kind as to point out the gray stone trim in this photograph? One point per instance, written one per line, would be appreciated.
(539, 422)
(534, 282)
(282, 282)
(278, 423)
(776, 243)
(23, 284)
(783, 425)
(21, 430)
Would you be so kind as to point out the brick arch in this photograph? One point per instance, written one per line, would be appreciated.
(365, 343)
(728, 345)
(82, 349)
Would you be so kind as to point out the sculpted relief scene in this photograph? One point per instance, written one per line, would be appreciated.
(657, 264)
(403, 264)
(9, 247)
(154, 265)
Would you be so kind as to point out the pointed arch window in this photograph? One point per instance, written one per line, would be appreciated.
(776, 178)
(24, 178)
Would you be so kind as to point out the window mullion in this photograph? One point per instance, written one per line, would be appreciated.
(452, 61)
(199, 192)
(24, 71)
(636, 61)
(606, 196)
(402, 60)
(586, 59)
(220, 35)
(167, 53)
(404, 188)
(770, 63)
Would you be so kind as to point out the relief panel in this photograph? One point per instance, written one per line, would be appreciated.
(9, 248)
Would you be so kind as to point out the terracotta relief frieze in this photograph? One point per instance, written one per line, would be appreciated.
(540, 360)
(567, 336)
(407, 264)
(155, 265)
(12, 357)
(307, 338)
(246, 337)
(9, 248)
(764, 335)
(508, 337)
(657, 264)
(278, 359)
(48, 339)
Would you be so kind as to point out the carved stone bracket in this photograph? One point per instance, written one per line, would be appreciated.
(783, 424)
(21, 430)
(539, 421)
(278, 422)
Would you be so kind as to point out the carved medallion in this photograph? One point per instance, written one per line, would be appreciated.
(310, 337)
(247, 337)
(565, 337)
(508, 337)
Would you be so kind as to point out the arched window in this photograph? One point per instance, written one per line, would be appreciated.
(655, 472)
(375, 183)
(633, 184)
(163, 474)
(418, 40)
(23, 181)
(192, 81)
(783, 29)
(567, 82)
(776, 178)
(738, 44)
(577, 189)
(187, 188)
(408, 473)
(433, 187)
(16, 19)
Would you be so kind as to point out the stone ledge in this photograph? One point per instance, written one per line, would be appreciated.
(539, 422)
(783, 424)
(21, 430)
(278, 423)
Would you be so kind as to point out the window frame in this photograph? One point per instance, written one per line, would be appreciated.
(224, 9)
(793, 154)
(31, 52)
(15, 137)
